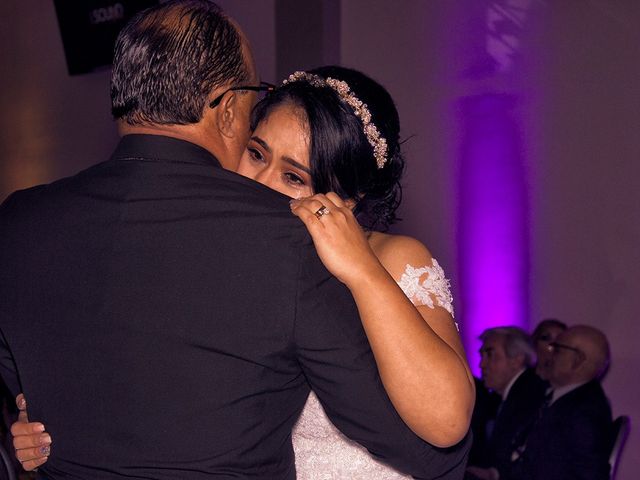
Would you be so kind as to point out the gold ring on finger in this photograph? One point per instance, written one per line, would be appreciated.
(321, 211)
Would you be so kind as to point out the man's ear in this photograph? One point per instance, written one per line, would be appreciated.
(578, 361)
(226, 114)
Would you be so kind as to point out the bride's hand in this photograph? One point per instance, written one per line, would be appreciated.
(32, 444)
(340, 241)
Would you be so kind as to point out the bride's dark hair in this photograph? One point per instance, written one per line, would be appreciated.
(342, 159)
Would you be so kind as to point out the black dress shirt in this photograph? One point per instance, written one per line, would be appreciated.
(166, 318)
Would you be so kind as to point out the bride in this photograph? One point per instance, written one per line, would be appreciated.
(329, 139)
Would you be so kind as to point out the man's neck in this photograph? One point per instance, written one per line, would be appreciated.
(188, 133)
(561, 390)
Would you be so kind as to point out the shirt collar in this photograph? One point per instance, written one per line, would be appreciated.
(162, 148)
(561, 391)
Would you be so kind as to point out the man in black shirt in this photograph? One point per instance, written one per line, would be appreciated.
(159, 299)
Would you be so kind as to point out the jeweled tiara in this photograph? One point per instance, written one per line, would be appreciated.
(377, 141)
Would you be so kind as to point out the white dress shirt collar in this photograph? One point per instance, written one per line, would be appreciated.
(561, 391)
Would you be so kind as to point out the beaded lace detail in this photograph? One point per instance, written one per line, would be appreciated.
(434, 286)
(322, 452)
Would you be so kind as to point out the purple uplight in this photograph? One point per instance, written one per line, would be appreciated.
(492, 234)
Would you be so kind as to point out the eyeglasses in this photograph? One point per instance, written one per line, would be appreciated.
(263, 87)
(555, 346)
(545, 337)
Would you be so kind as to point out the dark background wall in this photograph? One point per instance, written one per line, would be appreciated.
(570, 70)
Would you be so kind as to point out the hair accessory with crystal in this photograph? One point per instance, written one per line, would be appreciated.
(377, 141)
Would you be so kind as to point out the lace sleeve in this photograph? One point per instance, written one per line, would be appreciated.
(423, 285)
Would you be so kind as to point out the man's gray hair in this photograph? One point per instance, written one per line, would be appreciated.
(516, 342)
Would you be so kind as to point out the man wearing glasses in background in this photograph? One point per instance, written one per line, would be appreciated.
(571, 439)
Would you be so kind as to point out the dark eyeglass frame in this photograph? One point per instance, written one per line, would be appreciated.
(545, 337)
(263, 87)
(554, 346)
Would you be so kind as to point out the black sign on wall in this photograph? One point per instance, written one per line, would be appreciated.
(89, 29)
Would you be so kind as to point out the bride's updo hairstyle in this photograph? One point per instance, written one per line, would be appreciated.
(342, 157)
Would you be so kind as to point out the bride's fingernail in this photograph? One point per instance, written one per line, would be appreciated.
(22, 403)
(45, 439)
(46, 450)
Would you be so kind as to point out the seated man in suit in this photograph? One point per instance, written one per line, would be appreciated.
(572, 438)
(484, 411)
(506, 362)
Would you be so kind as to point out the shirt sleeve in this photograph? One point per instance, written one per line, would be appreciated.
(336, 358)
(8, 369)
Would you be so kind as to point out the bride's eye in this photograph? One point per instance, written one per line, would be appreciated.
(255, 155)
(294, 179)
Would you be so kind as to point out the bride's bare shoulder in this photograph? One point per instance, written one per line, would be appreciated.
(395, 252)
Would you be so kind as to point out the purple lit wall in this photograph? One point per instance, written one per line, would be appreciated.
(490, 188)
(544, 93)
(492, 234)
(455, 71)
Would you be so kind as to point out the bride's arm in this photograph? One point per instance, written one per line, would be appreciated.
(418, 351)
(417, 348)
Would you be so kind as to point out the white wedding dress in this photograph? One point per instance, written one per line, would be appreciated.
(321, 451)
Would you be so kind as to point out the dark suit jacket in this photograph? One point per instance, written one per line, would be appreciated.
(572, 439)
(484, 411)
(516, 414)
(165, 319)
